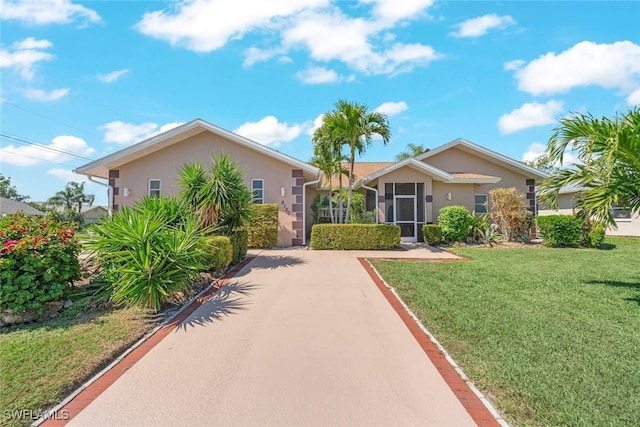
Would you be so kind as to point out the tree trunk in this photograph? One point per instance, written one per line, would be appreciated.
(340, 208)
(352, 160)
(331, 215)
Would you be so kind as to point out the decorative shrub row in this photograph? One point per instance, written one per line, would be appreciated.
(456, 222)
(239, 240)
(432, 234)
(355, 236)
(38, 261)
(560, 230)
(221, 252)
(263, 229)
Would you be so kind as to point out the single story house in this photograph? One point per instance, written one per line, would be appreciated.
(8, 206)
(408, 193)
(627, 224)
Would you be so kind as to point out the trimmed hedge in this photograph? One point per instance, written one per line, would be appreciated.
(597, 235)
(221, 253)
(239, 240)
(456, 222)
(355, 236)
(560, 230)
(263, 229)
(432, 234)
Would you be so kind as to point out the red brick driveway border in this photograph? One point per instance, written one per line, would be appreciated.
(479, 408)
(87, 393)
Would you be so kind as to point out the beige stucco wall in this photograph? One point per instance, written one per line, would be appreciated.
(166, 163)
(461, 194)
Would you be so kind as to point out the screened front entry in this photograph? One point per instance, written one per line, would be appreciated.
(405, 206)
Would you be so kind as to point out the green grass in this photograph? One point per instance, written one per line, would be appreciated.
(552, 336)
(41, 364)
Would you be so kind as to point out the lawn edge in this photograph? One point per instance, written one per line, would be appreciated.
(56, 417)
(461, 385)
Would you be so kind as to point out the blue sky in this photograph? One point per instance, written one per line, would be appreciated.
(92, 77)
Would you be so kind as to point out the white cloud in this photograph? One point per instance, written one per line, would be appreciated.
(24, 55)
(29, 155)
(476, 27)
(610, 66)
(529, 115)
(67, 175)
(392, 108)
(318, 75)
(537, 149)
(317, 122)
(112, 76)
(634, 98)
(44, 12)
(514, 65)
(128, 133)
(204, 26)
(316, 26)
(269, 131)
(44, 96)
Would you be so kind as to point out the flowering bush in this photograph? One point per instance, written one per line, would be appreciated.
(38, 261)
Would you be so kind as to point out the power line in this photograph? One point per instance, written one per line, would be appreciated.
(25, 141)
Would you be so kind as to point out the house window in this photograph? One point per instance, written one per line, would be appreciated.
(257, 187)
(480, 204)
(620, 212)
(154, 188)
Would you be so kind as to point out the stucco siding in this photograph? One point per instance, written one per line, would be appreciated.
(165, 165)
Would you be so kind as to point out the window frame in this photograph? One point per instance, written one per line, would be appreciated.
(159, 189)
(626, 218)
(484, 205)
(254, 199)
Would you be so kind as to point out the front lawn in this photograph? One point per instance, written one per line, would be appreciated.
(551, 336)
(41, 364)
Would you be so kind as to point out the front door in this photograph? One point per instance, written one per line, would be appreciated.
(405, 217)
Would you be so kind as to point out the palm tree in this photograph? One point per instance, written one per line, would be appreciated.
(219, 194)
(73, 196)
(351, 124)
(412, 150)
(328, 159)
(608, 171)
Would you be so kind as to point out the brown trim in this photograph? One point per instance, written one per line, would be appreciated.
(95, 389)
(114, 173)
(296, 173)
(473, 405)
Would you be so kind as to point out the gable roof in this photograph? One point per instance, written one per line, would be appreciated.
(100, 168)
(412, 163)
(8, 206)
(487, 154)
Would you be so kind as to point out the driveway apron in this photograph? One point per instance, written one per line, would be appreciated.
(297, 338)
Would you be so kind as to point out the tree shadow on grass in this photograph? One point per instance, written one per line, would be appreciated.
(632, 285)
(607, 246)
(272, 262)
(228, 300)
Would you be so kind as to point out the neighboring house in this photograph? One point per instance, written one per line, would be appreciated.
(627, 224)
(408, 193)
(8, 206)
(91, 214)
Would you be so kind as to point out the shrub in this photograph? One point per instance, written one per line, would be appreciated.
(357, 212)
(263, 229)
(560, 230)
(355, 236)
(508, 212)
(220, 252)
(38, 261)
(432, 234)
(145, 258)
(455, 222)
(597, 235)
(239, 240)
(69, 218)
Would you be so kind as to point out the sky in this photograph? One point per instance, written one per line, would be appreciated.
(83, 79)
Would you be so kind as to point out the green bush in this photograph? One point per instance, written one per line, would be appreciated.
(239, 240)
(597, 235)
(145, 257)
(355, 236)
(456, 223)
(560, 230)
(220, 252)
(263, 228)
(38, 261)
(432, 234)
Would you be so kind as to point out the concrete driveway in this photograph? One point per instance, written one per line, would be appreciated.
(297, 338)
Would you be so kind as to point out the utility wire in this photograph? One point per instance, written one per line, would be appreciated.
(25, 141)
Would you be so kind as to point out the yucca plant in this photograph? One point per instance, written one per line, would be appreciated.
(146, 255)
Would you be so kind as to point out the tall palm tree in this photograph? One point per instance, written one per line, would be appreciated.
(412, 150)
(73, 196)
(351, 124)
(328, 159)
(608, 171)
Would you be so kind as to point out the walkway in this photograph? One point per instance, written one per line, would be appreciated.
(297, 338)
